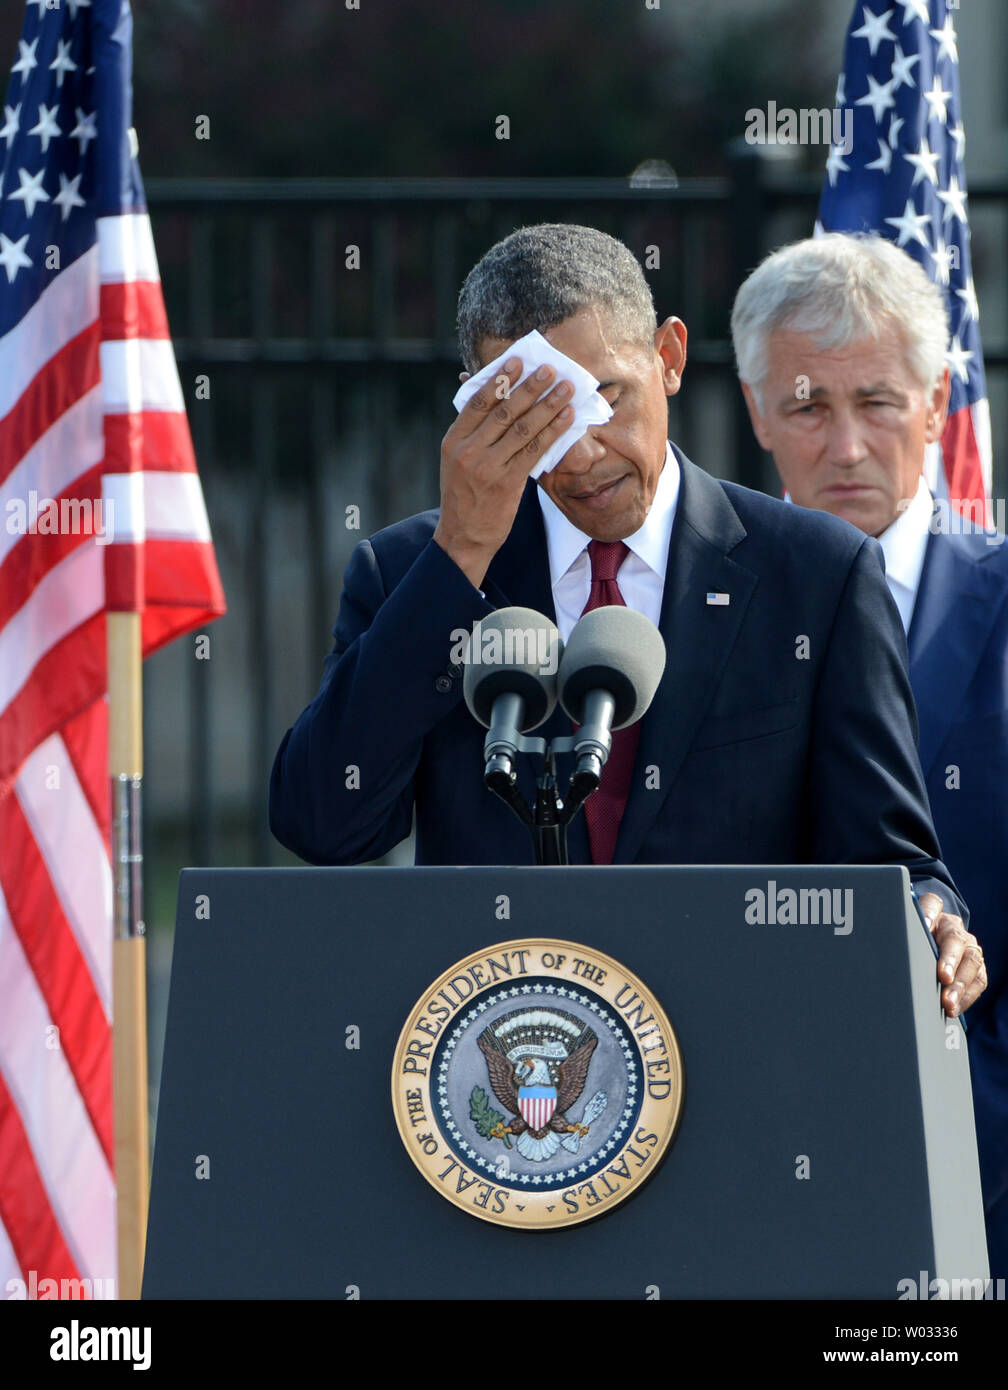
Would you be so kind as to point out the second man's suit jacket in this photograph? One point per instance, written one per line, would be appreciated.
(783, 730)
(958, 644)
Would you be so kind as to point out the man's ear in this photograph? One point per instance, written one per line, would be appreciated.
(670, 345)
(938, 407)
(759, 428)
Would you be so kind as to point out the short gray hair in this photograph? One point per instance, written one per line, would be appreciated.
(539, 276)
(840, 288)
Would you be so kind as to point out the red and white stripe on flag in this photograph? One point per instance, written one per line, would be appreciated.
(961, 469)
(91, 412)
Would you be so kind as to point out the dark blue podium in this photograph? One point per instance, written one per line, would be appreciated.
(825, 1146)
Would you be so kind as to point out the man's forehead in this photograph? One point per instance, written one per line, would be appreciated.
(864, 364)
(590, 336)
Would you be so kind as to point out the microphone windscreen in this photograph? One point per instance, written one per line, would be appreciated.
(513, 651)
(615, 649)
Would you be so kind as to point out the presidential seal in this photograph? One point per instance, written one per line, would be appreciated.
(537, 1083)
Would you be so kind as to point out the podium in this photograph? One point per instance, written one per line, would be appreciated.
(824, 1147)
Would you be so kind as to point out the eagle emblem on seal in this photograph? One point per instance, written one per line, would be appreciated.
(537, 1060)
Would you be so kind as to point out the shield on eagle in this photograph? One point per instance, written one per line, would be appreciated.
(537, 1104)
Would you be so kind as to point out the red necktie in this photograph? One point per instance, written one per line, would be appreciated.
(604, 808)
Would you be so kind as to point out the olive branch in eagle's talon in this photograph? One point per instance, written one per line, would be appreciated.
(489, 1123)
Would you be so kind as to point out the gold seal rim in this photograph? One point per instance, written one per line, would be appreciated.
(539, 1221)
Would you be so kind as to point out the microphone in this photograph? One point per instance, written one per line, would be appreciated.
(609, 672)
(510, 681)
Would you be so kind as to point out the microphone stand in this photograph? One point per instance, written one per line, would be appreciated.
(551, 816)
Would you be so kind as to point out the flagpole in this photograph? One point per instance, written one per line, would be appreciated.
(129, 974)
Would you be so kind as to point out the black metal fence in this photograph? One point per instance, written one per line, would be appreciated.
(313, 323)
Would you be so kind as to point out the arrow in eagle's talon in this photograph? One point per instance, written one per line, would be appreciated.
(592, 1111)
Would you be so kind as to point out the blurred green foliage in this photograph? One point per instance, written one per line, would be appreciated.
(399, 87)
(591, 87)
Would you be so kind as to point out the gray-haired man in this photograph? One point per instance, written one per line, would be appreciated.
(840, 344)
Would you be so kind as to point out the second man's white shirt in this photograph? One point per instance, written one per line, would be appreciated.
(904, 544)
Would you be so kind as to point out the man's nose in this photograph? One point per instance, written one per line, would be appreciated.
(582, 456)
(845, 443)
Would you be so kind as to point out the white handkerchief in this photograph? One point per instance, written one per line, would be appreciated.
(589, 407)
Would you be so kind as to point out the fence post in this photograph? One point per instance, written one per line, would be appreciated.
(747, 210)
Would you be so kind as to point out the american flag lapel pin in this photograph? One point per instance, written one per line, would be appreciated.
(717, 600)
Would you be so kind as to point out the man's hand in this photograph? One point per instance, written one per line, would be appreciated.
(486, 458)
(960, 960)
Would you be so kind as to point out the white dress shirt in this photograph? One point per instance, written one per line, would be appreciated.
(642, 575)
(903, 545)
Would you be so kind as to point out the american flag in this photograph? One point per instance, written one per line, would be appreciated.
(904, 179)
(91, 411)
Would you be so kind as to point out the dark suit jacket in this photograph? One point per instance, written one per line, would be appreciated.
(783, 730)
(958, 643)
